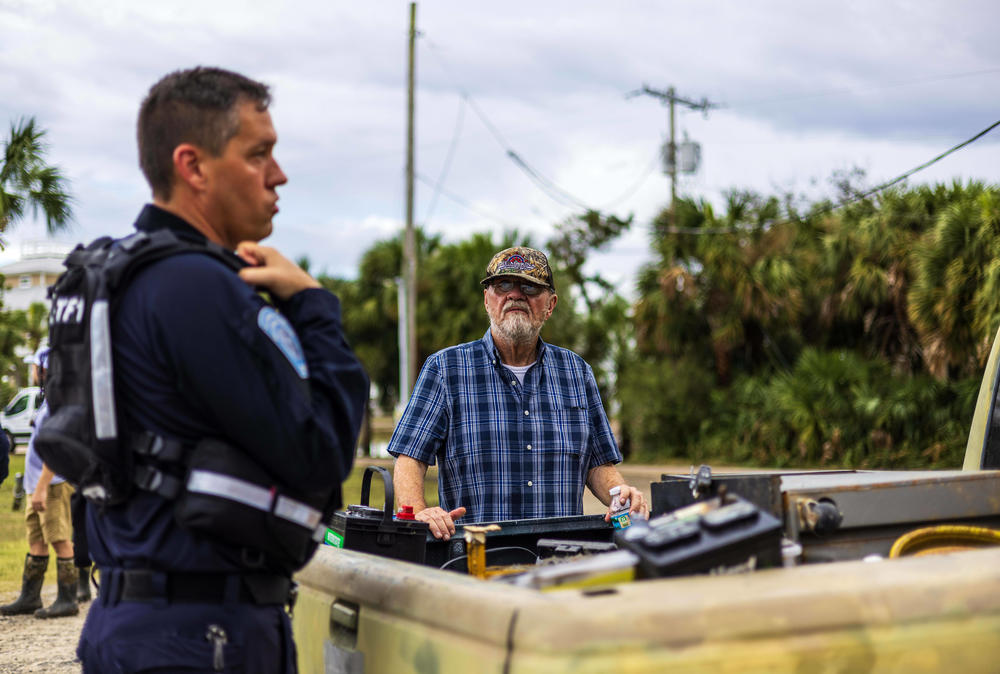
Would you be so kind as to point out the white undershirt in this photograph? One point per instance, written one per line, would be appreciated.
(518, 370)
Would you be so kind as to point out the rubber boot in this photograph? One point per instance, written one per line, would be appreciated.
(31, 587)
(68, 582)
(83, 590)
(18, 491)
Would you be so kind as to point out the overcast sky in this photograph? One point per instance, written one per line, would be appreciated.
(804, 88)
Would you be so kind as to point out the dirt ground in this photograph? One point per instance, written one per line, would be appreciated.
(43, 646)
(29, 645)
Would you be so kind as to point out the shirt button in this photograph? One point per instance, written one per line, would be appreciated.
(529, 483)
(525, 412)
(529, 446)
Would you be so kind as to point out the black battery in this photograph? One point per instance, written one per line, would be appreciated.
(367, 529)
(725, 537)
(560, 548)
(517, 540)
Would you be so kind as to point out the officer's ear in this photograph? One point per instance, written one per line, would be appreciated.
(189, 166)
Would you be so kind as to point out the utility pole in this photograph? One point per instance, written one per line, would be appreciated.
(670, 98)
(408, 360)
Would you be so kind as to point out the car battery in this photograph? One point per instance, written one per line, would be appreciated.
(561, 548)
(517, 540)
(718, 535)
(373, 530)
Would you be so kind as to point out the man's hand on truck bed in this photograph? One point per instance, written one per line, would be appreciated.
(442, 521)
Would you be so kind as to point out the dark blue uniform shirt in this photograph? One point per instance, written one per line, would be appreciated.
(193, 359)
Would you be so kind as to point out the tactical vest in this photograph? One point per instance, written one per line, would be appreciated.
(218, 490)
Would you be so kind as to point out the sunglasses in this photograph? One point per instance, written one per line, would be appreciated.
(505, 286)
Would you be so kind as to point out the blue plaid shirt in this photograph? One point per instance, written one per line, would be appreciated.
(507, 451)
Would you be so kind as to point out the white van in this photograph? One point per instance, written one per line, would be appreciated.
(17, 415)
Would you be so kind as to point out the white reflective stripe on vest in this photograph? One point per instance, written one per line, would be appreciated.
(255, 496)
(234, 489)
(102, 389)
(297, 512)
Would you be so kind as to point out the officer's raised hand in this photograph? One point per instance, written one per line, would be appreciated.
(272, 270)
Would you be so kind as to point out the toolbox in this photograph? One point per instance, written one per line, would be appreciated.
(517, 541)
(840, 516)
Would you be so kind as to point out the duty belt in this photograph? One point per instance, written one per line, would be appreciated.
(146, 585)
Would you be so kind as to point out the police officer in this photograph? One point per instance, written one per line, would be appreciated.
(199, 354)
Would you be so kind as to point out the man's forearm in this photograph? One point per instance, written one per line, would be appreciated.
(45, 478)
(408, 482)
(601, 479)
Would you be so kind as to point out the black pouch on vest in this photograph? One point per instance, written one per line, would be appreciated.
(229, 498)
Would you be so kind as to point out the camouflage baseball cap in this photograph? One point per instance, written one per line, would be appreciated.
(526, 263)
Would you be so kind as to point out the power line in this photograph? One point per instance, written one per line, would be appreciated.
(921, 167)
(447, 161)
(565, 198)
(847, 202)
(644, 176)
(551, 189)
(462, 202)
(554, 192)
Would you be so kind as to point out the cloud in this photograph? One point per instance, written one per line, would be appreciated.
(809, 88)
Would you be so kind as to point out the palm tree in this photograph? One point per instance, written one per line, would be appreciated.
(26, 180)
(735, 289)
(868, 264)
(36, 325)
(953, 300)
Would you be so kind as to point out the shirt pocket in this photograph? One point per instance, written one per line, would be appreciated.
(568, 431)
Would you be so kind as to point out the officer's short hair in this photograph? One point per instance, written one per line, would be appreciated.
(197, 106)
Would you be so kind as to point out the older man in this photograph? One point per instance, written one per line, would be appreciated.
(517, 424)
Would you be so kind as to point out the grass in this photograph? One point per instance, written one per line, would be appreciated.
(13, 544)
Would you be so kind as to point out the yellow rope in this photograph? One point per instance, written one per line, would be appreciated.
(942, 539)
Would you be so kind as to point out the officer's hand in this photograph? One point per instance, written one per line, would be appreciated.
(38, 498)
(272, 270)
(639, 506)
(442, 521)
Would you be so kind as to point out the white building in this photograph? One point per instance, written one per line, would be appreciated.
(27, 280)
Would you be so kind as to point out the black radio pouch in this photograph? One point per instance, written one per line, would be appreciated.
(229, 498)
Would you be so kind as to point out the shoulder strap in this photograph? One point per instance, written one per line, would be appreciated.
(140, 249)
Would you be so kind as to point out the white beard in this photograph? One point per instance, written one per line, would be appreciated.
(516, 327)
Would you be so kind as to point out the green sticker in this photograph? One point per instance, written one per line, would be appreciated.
(333, 538)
